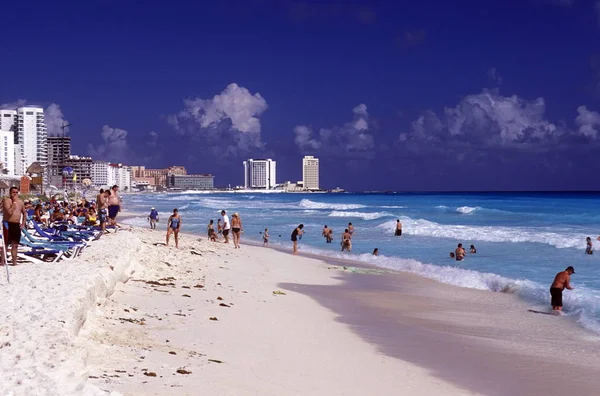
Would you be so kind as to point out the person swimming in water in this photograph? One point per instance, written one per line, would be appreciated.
(452, 255)
(346, 240)
(589, 249)
(376, 252)
(350, 230)
(173, 226)
(398, 231)
(473, 250)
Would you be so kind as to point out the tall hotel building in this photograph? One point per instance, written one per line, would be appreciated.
(310, 172)
(8, 127)
(29, 138)
(260, 173)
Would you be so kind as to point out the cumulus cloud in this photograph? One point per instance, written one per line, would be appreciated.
(351, 139)
(114, 147)
(230, 119)
(588, 122)
(490, 120)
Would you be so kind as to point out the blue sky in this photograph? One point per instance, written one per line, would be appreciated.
(466, 95)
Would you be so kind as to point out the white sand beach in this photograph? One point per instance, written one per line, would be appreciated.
(207, 318)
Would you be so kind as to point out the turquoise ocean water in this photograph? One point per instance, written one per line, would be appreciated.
(522, 239)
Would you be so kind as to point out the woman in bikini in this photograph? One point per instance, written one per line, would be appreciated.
(173, 226)
(236, 227)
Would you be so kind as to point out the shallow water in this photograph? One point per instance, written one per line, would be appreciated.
(522, 239)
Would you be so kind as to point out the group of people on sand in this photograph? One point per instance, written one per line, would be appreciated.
(15, 213)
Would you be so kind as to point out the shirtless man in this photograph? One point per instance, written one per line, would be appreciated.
(398, 231)
(13, 220)
(562, 281)
(102, 206)
(460, 252)
(350, 229)
(346, 240)
(114, 205)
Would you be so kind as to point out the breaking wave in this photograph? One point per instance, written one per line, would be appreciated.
(308, 204)
(361, 215)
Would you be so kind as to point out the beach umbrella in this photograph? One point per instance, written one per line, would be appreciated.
(67, 171)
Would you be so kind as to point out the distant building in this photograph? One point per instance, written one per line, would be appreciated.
(107, 174)
(31, 139)
(191, 182)
(260, 173)
(160, 175)
(59, 152)
(82, 168)
(310, 172)
(8, 120)
(7, 152)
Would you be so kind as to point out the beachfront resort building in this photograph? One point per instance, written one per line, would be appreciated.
(260, 173)
(159, 175)
(191, 182)
(7, 152)
(310, 172)
(106, 174)
(29, 137)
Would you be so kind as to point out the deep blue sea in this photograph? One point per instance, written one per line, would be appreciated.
(522, 239)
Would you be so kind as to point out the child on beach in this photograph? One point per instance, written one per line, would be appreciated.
(173, 226)
(589, 248)
(219, 227)
(210, 228)
(266, 238)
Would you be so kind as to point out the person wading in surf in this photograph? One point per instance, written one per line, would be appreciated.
(562, 281)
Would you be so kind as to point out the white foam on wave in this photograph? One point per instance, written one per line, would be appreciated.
(308, 204)
(467, 209)
(393, 207)
(424, 227)
(361, 215)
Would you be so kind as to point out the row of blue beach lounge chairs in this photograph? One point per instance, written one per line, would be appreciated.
(60, 241)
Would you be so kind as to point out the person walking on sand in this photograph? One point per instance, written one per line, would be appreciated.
(14, 218)
(298, 231)
(562, 281)
(346, 240)
(460, 252)
(398, 231)
(114, 205)
(153, 218)
(266, 238)
(226, 225)
(236, 229)
(173, 227)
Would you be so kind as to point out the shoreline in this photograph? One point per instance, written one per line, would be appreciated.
(487, 342)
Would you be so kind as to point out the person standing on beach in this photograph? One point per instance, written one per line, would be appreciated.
(226, 225)
(219, 227)
(236, 228)
(173, 227)
(102, 207)
(266, 238)
(398, 231)
(114, 205)
(210, 228)
(562, 281)
(153, 217)
(298, 231)
(14, 218)
(460, 252)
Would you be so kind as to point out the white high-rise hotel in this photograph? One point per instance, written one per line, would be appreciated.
(22, 133)
(310, 172)
(260, 173)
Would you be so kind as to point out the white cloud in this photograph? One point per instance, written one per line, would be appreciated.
(352, 138)
(230, 118)
(114, 148)
(54, 119)
(487, 118)
(588, 122)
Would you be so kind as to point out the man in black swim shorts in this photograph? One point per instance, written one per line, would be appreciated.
(562, 281)
(14, 218)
